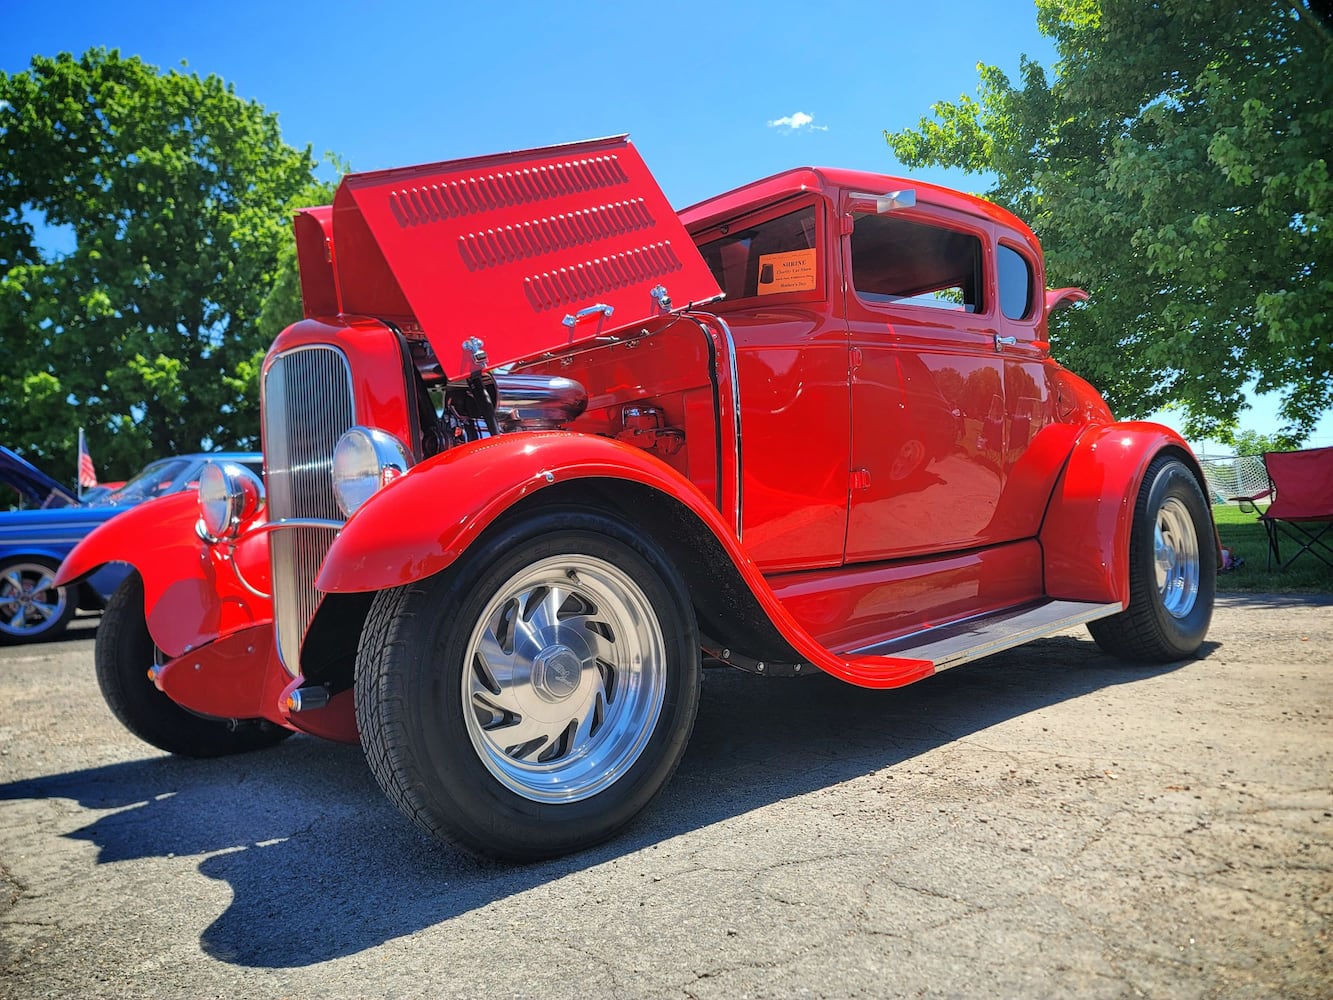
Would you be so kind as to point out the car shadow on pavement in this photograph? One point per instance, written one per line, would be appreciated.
(320, 865)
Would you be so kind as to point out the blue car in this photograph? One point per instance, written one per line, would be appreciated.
(41, 520)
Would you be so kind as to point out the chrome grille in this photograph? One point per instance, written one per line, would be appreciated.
(307, 407)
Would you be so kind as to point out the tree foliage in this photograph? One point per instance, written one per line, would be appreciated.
(1249, 442)
(141, 218)
(1175, 164)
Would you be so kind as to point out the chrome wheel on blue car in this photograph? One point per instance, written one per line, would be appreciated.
(31, 608)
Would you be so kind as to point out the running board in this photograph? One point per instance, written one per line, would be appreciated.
(949, 645)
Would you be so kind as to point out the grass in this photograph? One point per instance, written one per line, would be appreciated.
(1245, 537)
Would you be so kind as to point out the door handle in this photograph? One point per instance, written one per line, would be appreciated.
(1002, 342)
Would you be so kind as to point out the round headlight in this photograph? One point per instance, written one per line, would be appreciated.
(365, 460)
(228, 495)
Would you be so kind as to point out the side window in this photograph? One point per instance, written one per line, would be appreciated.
(777, 255)
(1015, 274)
(897, 260)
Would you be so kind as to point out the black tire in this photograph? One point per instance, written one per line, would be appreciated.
(440, 699)
(1172, 571)
(31, 610)
(123, 653)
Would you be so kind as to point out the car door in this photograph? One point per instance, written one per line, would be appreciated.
(928, 405)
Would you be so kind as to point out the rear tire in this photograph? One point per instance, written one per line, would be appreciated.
(123, 654)
(1172, 571)
(532, 700)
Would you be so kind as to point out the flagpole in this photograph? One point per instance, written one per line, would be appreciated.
(78, 466)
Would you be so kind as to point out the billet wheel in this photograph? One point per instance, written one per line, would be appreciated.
(1172, 571)
(532, 700)
(122, 655)
(31, 609)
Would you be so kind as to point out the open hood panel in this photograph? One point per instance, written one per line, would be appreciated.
(531, 251)
(35, 487)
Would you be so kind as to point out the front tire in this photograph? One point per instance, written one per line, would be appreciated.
(31, 609)
(532, 700)
(123, 653)
(1172, 571)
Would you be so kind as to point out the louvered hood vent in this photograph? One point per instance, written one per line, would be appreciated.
(518, 249)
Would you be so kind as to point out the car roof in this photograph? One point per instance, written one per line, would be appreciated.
(824, 179)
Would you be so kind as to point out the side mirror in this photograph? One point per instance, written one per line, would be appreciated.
(881, 204)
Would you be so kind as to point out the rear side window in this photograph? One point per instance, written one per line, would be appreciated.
(1015, 274)
(767, 258)
(900, 261)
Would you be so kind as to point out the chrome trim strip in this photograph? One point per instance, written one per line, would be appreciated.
(295, 522)
(972, 638)
(704, 321)
(736, 415)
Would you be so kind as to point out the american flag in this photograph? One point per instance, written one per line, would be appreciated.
(87, 474)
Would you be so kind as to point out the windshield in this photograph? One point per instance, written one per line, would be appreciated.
(157, 479)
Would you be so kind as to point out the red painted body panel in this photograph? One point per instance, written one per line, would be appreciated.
(240, 676)
(852, 608)
(1085, 537)
(804, 179)
(225, 677)
(792, 365)
(375, 358)
(525, 239)
(191, 592)
(386, 544)
(314, 253)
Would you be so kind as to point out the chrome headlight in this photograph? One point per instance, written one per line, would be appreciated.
(228, 495)
(365, 460)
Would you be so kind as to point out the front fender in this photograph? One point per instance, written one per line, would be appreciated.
(1085, 535)
(419, 524)
(191, 592)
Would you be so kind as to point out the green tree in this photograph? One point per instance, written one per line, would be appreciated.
(1249, 442)
(282, 306)
(141, 217)
(1176, 165)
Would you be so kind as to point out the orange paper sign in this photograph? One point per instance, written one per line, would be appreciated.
(790, 271)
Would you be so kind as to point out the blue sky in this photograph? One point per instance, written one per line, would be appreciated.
(389, 82)
(713, 94)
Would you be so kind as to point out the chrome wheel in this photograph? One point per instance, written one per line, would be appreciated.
(564, 678)
(30, 607)
(1176, 558)
(534, 698)
(1172, 575)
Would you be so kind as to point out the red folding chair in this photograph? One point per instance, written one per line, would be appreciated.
(1301, 485)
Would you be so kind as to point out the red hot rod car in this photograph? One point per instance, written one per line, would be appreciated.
(542, 442)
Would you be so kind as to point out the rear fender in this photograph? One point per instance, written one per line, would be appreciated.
(191, 591)
(419, 525)
(1085, 534)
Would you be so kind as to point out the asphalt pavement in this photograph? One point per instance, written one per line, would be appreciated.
(1048, 822)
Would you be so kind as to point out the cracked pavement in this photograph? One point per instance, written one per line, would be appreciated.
(1048, 822)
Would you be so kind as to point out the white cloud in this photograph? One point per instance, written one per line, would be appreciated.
(797, 121)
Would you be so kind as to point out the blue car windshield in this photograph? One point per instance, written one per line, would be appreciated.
(156, 480)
